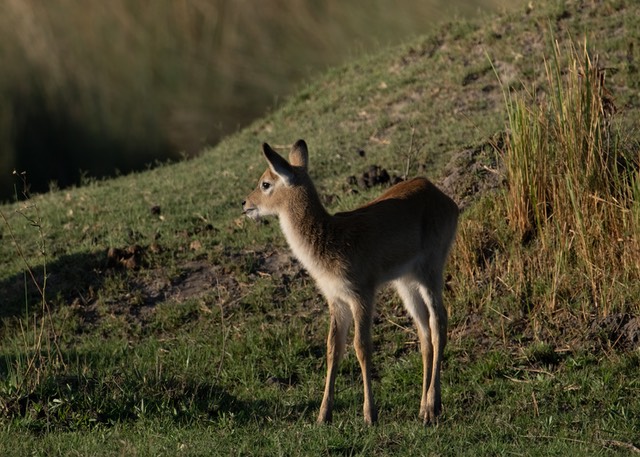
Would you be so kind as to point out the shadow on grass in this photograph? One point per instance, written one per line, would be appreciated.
(75, 402)
(107, 386)
(68, 277)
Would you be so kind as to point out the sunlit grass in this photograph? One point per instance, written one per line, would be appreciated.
(572, 178)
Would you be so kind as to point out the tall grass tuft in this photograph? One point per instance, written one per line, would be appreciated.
(38, 356)
(573, 188)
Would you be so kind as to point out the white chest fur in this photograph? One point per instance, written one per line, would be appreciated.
(330, 284)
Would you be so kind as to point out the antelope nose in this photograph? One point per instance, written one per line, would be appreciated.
(243, 203)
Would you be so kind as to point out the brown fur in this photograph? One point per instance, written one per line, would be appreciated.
(404, 236)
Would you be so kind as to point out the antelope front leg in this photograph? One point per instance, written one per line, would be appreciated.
(340, 321)
(363, 315)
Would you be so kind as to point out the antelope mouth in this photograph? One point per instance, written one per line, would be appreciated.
(252, 213)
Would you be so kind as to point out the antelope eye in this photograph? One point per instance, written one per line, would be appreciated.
(265, 185)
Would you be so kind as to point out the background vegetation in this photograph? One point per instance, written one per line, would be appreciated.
(171, 325)
(91, 88)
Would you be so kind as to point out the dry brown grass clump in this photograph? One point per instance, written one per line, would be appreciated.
(564, 237)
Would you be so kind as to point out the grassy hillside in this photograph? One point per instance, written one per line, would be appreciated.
(144, 316)
(95, 88)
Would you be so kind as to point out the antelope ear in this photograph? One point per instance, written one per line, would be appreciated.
(278, 165)
(299, 155)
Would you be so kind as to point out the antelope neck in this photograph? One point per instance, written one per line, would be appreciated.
(307, 226)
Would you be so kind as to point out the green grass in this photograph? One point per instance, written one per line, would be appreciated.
(212, 342)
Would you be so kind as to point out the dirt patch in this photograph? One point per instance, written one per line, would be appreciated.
(146, 287)
(196, 278)
(473, 172)
(375, 175)
(130, 258)
(619, 331)
(470, 173)
(279, 265)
